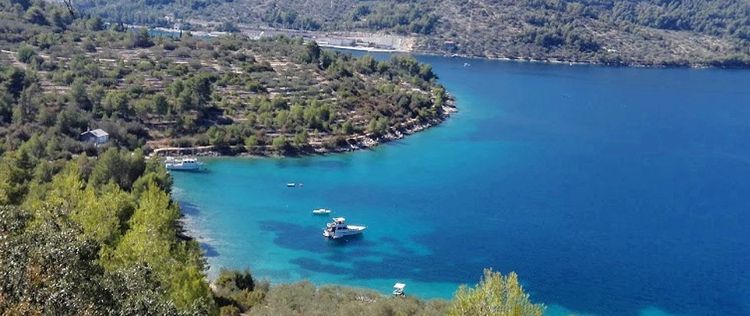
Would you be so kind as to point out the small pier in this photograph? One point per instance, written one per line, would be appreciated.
(181, 151)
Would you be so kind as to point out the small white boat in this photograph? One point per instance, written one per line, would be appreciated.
(339, 229)
(291, 185)
(398, 289)
(182, 164)
(321, 211)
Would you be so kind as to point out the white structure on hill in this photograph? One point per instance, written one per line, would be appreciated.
(97, 136)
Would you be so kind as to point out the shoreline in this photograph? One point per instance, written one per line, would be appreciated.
(547, 60)
(553, 61)
(354, 142)
(363, 48)
(556, 61)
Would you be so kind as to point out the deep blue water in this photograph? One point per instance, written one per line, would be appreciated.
(608, 190)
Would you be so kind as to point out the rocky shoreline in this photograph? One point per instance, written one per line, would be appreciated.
(353, 143)
(562, 61)
(554, 60)
(394, 133)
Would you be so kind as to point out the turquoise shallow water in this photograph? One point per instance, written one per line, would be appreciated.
(609, 190)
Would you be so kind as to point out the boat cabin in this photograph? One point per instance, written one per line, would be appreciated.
(338, 229)
(182, 164)
(337, 223)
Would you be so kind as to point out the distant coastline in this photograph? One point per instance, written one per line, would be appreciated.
(363, 48)
(374, 42)
(574, 62)
(508, 58)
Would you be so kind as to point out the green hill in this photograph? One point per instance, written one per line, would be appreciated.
(273, 96)
(645, 32)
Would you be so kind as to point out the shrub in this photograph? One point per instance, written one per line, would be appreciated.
(140, 39)
(235, 280)
(36, 15)
(251, 143)
(26, 53)
(169, 45)
(494, 295)
(182, 52)
(280, 144)
(229, 310)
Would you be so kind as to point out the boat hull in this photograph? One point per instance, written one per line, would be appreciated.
(342, 233)
(183, 167)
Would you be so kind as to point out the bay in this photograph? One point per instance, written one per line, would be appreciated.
(610, 191)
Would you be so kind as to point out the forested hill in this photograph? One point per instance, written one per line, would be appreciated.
(272, 96)
(646, 32)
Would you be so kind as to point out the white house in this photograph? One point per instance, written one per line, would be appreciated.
(97, 136)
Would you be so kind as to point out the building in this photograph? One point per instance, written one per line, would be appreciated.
(450, 46)
(97, 136)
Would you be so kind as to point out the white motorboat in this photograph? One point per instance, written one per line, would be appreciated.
(183, 164)
(291, 185)
(339, 229)
(398, 289)
(321, 211)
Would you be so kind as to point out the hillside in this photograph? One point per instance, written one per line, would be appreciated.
(646, 32)
(273, 96)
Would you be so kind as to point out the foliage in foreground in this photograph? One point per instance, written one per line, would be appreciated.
(494, 295)
(305, 298)
(95, 237)
(49, 269)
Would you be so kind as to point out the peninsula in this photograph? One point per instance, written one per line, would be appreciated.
(273, 96)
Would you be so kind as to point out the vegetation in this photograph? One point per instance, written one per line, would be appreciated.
(287, 95)
(91, 229)
(81, 237)
(494, 295)
(647, 32)
(305, 298)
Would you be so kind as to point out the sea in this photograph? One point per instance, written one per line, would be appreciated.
(609, 191)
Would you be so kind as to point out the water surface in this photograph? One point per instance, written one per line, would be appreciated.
(608, 190)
